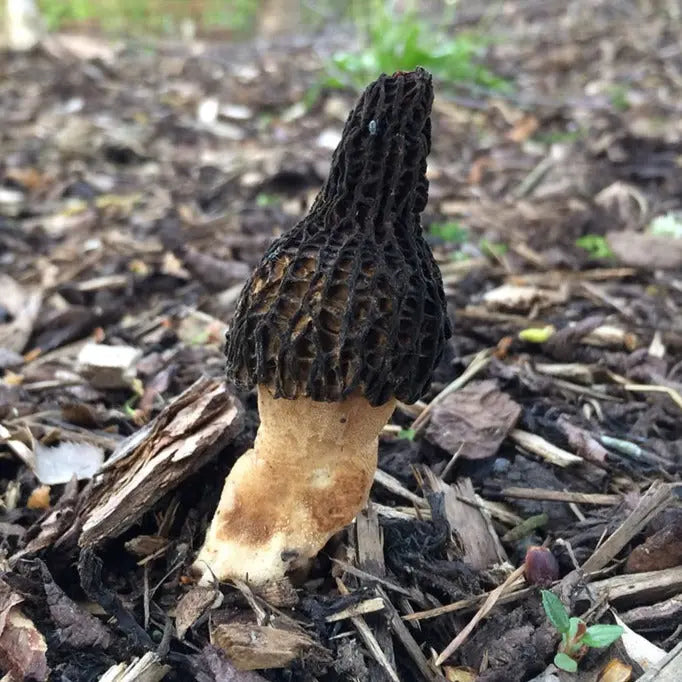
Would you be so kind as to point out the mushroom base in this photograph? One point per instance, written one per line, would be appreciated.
(307, 476)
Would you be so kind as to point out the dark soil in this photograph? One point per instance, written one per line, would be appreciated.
(131, 216)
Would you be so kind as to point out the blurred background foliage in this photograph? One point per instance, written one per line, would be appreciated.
(389, 36)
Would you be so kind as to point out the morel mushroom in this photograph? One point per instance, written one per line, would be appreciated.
(344, 315)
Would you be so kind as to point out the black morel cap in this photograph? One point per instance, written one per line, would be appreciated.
(351, 297)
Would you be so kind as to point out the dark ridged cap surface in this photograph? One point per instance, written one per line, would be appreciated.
(351, 297)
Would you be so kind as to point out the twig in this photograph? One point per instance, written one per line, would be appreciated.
(408, 641)
(539, 446)
(405, 513)
(639, 587)
(674, 395)
(369, 639)
(464, 604)
(453, 460)
(477, 364)
(560, 496)
(258, 610)
(656, 499)
(146, 597)
(394, 485)
(359, 573)
(533, 178)
(488, 605)
(668, 669)
(359, 609)
(369, 552)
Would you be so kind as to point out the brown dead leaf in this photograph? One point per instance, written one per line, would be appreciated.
(215, 661)
(615, 671)
(252, 647)
(8, 599)
(146, 545)
(522, 298)
(523, 128)
(473, 421)
(644, 250)
(22, 647)
(75, 626)
(562, 344)
(39, 498)
(30, 178)
(584, 444)
(24, 305)
(194, 605)
(459, 674)
(154, 388)
(478, 169)
(53, 524)
(662, 550)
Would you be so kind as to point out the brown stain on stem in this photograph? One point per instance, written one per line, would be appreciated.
(307, 476)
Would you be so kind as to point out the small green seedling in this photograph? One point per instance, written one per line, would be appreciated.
(576, 637)
(265, 200)
(407, 434)
(450, 231)
(494, 249)
(596, 245)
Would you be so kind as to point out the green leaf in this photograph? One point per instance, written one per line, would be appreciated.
(407, 434)
(565, 662)
(598, 636)
(574, 624)
(556, 611)
(537, 334)
(596, 245)
(493, 248)
(450, 232)
(400, 41)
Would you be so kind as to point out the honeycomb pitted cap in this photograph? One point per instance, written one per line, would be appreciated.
(351, 299)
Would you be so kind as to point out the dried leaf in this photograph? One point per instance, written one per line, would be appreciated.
(8, 599)
(521, 298)
(194, 605)
(476, 419)
(645, 250)
(59, 464)
(584, 444)
(39, 498)
(75, 626)
(22, 647)
(459, 674)
(107, 367)
(144, 545)
(523, 128)
(615, 671)
(661, 550)
(639, 648)
(54, 524)
(252, 647)
(222, 669)
(562, 344)
(23, 305)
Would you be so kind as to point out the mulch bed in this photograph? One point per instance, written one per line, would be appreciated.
(137, 190)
